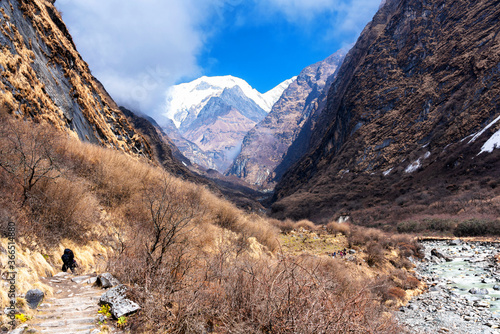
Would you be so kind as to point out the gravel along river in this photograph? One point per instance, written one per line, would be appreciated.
(464, 289)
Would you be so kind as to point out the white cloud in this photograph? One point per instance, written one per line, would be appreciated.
(138, 48)
(348, 16)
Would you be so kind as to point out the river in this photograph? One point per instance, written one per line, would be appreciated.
(464, 289)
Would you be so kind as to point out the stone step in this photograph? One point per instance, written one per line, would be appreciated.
(68, 322)
(76, 301)
(66, 315)
(69, 309)
(87, 329)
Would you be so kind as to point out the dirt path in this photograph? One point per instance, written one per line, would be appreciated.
(73, 308)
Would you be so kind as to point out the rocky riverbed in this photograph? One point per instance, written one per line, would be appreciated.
(464, 289)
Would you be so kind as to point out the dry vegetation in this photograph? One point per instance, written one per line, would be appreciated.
(195, 262)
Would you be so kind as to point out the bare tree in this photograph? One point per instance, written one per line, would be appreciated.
(172, 212)
(27, 153)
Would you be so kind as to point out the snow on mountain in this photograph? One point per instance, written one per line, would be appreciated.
(190, 98)
(271, 96)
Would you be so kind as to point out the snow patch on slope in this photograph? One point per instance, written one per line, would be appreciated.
(492, 143)
(477, 135)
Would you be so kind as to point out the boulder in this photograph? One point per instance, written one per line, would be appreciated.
(106, 280)
(119, 303)
(455, 242)
(436, 253)
(496, 287)
(34, 297)
(476, 291)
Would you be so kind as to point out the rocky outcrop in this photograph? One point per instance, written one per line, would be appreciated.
(187, 148)
(106, 280)
(422, 77)
(265, 145)
(44, 78)
(119, 303)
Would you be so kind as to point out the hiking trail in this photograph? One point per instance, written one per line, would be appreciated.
(73, 308)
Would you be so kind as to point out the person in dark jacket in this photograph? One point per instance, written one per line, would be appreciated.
(68, 259)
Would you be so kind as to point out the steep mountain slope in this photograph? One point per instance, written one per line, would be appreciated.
(44, 78)
(213, 114)
(166, 151)
(221, 125)
(264, 146)
(422, 77)
(189, 149)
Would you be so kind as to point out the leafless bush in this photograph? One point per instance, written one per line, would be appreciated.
(27, 154)
(306, 225)
(375, 254)
(334, 228)
(287, 295)
(59, 210)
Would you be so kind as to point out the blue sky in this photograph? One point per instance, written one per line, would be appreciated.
(137, 49)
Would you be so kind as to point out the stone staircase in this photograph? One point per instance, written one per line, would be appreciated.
(73, 308)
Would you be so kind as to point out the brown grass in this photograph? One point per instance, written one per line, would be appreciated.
(197, 262)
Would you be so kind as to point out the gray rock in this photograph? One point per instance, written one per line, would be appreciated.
(455, 242)
(34, 297)
(19, 330)
(116, 299)
(91, 280)
(106, 280)
(79, 279)
(476, 291)
(481, 304)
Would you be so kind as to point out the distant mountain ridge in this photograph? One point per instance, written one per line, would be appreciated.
(214, 114)
(185, 101)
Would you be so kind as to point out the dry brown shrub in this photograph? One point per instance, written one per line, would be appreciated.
(335, 228)
(411, 283)
(395, 293)
(285, 226)
(375, 254)
(286, 295)
(63, 209)
(306, 225)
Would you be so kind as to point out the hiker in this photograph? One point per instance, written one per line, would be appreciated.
(68, 259)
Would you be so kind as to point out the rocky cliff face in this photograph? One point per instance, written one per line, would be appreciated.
(221, 125)
(44, 78)
(190, 150)
(265, 145)
(421, 81)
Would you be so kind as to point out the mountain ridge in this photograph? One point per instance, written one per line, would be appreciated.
(266, 144)
(403, 97)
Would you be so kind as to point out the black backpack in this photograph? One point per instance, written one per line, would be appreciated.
(68, 256)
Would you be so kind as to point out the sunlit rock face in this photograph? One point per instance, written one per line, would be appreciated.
(45, 79)
(211, 116)
(265, 145)
(413, 109)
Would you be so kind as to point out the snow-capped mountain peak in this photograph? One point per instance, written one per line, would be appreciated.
(188, 99)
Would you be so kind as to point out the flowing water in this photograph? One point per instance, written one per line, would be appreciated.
(463, 279)
(471, 267)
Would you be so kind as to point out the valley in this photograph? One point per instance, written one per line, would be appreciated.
(360, 195)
